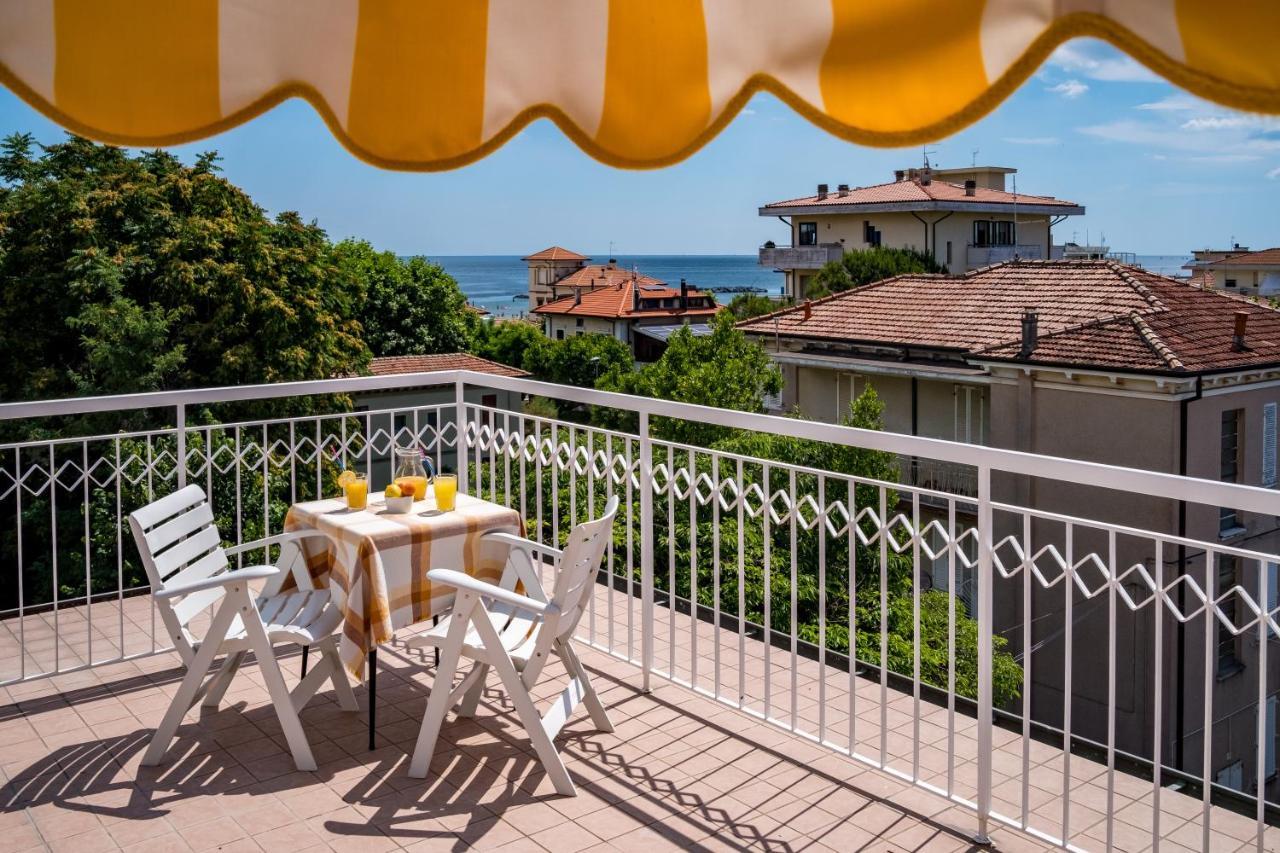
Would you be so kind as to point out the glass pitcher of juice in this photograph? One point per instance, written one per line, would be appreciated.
(410, 476)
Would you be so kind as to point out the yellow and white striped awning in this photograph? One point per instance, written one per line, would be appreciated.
(433, 84)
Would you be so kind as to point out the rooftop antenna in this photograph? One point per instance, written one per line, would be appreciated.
(611, 248)
(975, 157)
(926, 151)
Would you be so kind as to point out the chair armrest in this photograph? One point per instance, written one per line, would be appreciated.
(278, 539)
(252, 573)
(464, 581)
(522, 543)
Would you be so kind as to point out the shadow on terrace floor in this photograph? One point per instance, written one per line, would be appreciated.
(680, 772)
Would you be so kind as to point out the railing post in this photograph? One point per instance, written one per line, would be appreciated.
(181, 421)
(986, 626)
(646, 551)
(460, 393)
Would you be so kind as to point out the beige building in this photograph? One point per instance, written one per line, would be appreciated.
(1096, 361)
(1240, 271)
(964, 218)
(548, 267)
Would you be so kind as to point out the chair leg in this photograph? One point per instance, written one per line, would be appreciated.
(341, 683)
(589, 698)
(467, 707)
(222, 680)
(528, 712)
(438, 704)
(280, 697)
(191, 682)
(305, 649)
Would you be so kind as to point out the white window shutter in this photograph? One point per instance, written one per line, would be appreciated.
(1269, 445)
(1271, 737)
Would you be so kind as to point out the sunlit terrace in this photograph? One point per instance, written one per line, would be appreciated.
(748, 721)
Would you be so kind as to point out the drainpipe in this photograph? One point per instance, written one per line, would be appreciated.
(925, 224)
(934, 226)
(1180, 654)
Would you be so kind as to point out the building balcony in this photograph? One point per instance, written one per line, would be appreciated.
(982, 256)
(761, 701)
(800, 257)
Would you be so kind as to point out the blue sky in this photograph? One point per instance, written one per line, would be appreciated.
(1159, 171)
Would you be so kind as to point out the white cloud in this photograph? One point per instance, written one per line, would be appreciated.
(1274, 173)
(1099, 61)
(1221, 122)
(1032, 140)
(747, 112)
(1173, 103)
(1070, 89)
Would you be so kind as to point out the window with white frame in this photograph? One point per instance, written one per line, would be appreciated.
(970, 414)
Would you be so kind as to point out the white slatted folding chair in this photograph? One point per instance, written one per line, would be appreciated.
(190, 575)
(496, 626)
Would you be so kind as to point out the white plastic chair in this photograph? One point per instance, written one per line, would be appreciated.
(190, 574)
(516, 634)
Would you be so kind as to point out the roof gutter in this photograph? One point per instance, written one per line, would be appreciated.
(909, 206)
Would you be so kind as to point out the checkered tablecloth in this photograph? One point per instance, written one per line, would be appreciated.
(377, 572)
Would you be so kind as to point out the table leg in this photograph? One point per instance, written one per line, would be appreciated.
(373, 692)
(435, 620)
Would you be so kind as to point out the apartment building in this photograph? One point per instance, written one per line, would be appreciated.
(1098, 361)
(965, 218)
(548, 267)
(1240, 271)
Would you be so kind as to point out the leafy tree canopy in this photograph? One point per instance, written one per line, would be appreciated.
(579, 359)
(508, 342)
(864, 266)
(123, 273)
(744, 306)
(411, 307)
(722, 369)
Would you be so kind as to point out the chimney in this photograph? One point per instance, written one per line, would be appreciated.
(926, 176)
(970, 187)
(635, 295)
(808, 308)
(577, 296)
(684, 295)
(822, 190)
(1030, 332)
(899, 174)
(1237, 339)
(842, 190)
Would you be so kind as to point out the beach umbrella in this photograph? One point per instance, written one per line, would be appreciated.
(434, 84)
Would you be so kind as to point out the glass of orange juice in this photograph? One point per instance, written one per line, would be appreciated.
(446, 486)
(356, 488)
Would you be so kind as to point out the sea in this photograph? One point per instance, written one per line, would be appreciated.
(493, 282)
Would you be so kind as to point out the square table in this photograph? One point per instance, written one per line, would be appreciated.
(377, 570)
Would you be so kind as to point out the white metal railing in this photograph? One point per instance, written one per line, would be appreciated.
(794, 594)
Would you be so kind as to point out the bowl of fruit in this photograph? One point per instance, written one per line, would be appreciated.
(398, 502)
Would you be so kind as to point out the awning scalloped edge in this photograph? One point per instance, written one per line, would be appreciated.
(1261, 99)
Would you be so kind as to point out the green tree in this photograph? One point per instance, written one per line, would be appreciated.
(510, 342)
(123, 273)
(864, 266)
(579, 360)
(722, 369)
(411, 307)
(744, 306)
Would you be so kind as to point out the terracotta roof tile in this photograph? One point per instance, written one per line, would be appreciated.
(395, 364)
(555, 253)
(897, 192)
(1091, 313)
(615, 300)
(1263, 257)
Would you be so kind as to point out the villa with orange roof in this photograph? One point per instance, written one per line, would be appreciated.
(965, 218)
(637, 309)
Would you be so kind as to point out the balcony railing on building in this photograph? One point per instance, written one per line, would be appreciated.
(800, 257)
(982, 256)
(945, 628)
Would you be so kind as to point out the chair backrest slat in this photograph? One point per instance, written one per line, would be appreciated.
(168, 506)
(213, 563)
(179, 527)
(576, 574)
(174, 562)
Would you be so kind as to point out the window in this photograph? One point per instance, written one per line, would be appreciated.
(488, 401)
(993, 233)
(948, 252)
(1229, 467)
(578, 322)
(1228, 661)
(968, 403)
(559, 334)
(808, 233)
(1231, 776)
(1231, 282)
(1269, 446)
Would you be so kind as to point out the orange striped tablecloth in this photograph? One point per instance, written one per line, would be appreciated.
(377, 572)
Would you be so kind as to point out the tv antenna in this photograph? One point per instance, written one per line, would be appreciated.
(926, 151)
(974, 162)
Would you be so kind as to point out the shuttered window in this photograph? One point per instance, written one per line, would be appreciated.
(1269, 445)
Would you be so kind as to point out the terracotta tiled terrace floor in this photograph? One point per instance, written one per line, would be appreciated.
(681, 770)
